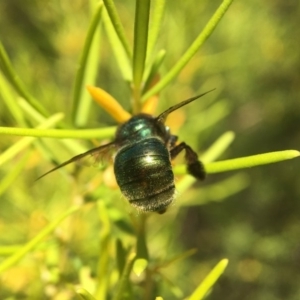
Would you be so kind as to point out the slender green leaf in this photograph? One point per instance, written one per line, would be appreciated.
(218, 147)
(209, 280)
(251, 161)
(172, 286)
(25, 142)
(8, 250)
(9, 100)
(10, 261)
(187, 56)
(29, 111)
(122, 59)
(90, 74)
(16, 82)
(234, 164)
(10, 177)
(178, 258)
(141, 246)
(104, 256)
(84, 294)
(154, 69)
(212, 153)
(218, 191)
(115, 20)
(141, 24)
(124, 290)
(121, 255)
(60, 133)
(74, 146)
(244, 162)
(77, 114)
(185, 183)
(155, 25)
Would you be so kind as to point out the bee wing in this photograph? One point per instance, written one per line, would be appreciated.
(96, 154)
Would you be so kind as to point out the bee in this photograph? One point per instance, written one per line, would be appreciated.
(144, 148)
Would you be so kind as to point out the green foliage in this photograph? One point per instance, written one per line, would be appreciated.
(72, 236)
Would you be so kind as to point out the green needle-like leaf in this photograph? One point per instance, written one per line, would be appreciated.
(232, 164)
(16, 82)
(25, 142)
(9, 178)
(154, 69)
(121, 256)
(218, 147)
(60, 133)
(84, 294)
(10, 101)
(123, 291)
(8, 250)
(141, 24)
(141, 245)
(115, 20)
(35, 241)
(212, 153)
(250, 161)
(140, 39)
(244, 162)
(29, 111)
(187, 56)
(157, 15)
(120, 54)
(79, 80)
(75, 147)
(105, 241)
(218, 191)
(178, 258)
(209, 280)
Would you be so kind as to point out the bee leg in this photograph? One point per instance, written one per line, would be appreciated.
(172, 141)
(194, 166)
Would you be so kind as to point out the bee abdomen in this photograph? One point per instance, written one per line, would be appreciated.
(144, 173)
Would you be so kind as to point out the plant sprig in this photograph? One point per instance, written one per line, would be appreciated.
(140, 65)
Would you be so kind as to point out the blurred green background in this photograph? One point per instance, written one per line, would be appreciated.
(252, 59)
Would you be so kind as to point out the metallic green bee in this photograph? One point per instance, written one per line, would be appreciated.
(144, 149)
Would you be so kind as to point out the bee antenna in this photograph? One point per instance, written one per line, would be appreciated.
(163, 116)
